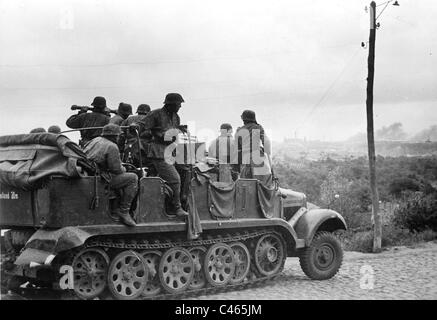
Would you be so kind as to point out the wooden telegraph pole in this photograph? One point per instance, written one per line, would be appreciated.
(377, 228)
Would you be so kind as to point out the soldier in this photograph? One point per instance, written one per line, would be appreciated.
(142, 111)
(253, 149)
(129, 143)
(97, 118)
(224, 149)
(54, 129)
(124, 111)
(103, 150)
(156, 124)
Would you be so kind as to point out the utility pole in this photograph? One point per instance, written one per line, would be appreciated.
(377, 228)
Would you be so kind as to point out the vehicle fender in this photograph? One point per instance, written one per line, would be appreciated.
(318, 220)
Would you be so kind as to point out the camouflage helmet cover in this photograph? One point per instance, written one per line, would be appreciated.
(111, 130)
(143, 108)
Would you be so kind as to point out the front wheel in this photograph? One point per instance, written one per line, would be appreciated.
(323, 258)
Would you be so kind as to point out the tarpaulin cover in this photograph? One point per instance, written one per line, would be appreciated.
(194, 225)
(26, 159)
(266, 199)
(221, 199)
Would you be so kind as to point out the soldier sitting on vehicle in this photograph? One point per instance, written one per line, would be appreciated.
(97, 118)
(104, 152)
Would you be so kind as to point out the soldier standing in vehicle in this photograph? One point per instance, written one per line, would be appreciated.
(124, 110)
(223, 149)
(254, 150)
(131, 145)
(156, 124)
(97, 118)
(104, 152)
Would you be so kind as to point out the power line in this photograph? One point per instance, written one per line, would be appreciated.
(140, 63)
(331, 86)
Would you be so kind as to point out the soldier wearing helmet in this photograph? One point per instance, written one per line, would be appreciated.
(97, 118)
(223, 149)
(253, 149)
(124, 110)
(156, 124)
(130, 148)
(104, 152)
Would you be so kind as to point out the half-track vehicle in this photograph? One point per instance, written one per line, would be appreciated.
(58, 230)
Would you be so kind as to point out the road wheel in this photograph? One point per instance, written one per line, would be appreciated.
(127, 275)
(219, 265)
(242, 262)
(176, 270)
(152, 259)
(90, 268)
(323, 258)
(198, 255)
(270, 255)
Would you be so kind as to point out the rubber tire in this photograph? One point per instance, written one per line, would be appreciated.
(307, 257)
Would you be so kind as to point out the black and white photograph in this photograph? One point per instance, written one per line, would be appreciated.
(219, 154)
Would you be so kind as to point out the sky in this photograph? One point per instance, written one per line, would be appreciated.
(298, 64)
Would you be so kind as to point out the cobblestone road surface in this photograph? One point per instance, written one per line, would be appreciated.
(401, 273)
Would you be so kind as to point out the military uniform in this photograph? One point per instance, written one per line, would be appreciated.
(252, 156)
(97, 118)
(223, 148)
(156, 124)
(105, 154)
(130, 139)
(116, 119)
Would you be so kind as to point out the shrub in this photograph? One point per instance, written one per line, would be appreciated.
(391, 236)
(417, 212)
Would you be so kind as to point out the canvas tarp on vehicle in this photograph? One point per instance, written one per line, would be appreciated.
(27, 159)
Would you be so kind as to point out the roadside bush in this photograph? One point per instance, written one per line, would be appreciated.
(417, 212)
(362, 241)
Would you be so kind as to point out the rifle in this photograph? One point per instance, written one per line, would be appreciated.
(87, 108)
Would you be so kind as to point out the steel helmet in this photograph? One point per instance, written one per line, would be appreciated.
(226, 126)
(248, 115)
(54, 129)
(143, 108)
(173, 98)
(99, 103)
(111, 130)
(124, 109)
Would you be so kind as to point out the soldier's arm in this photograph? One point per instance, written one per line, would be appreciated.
(147, 124)
(75, 121)
(114, 161)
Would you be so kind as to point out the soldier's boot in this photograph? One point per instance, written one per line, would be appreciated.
(181, 212)
(125, 217)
